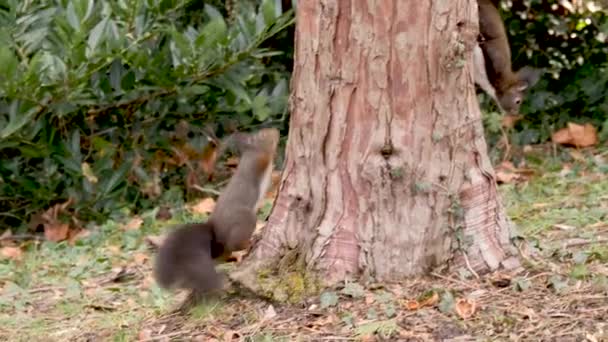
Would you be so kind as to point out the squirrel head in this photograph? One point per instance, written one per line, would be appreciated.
(512, 96)
(265, 139)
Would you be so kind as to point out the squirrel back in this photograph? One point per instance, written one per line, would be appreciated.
(494, 69)
(234, 217)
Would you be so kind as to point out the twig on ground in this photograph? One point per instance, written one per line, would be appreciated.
(205, 190)
(23, 237)
(582, 242)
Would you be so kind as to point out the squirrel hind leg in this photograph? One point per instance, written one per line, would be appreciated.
(241, 231)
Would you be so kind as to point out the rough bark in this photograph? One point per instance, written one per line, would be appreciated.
(386, 174)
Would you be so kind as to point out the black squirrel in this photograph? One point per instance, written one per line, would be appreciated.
(187, 257)
(492, 62)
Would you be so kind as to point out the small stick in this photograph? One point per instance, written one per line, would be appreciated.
(22, 237)
(205, 190)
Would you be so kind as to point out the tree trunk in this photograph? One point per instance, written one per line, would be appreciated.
(387, 174)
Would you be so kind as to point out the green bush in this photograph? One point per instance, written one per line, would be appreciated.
(105, 102)
(569, 40)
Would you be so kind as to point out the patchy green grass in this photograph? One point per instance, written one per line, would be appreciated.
(101, 287)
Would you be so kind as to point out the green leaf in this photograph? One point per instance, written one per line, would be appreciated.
(580, 257)
(272, 10)
(521, 284)
(383, 297)
(579, 272)
(328, 299)
(212, 33)
(353, 290)
(8, 63)
(447, 302)
(212, 12)
(259, 107)
(96, 36)
(389, 310)
(72, 17)
(371, 314)
(385, 328)
(17, 119)
(117, 177)
(558, 283)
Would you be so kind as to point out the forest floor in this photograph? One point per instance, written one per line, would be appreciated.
(100, 287)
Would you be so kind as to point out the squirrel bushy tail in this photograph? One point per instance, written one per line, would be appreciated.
(186, 259)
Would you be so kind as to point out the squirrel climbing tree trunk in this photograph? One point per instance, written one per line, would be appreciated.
(386, 174)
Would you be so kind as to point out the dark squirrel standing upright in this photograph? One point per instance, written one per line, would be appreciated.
(186, 258)
(492, 58)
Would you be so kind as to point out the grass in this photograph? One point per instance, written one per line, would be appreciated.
(101, 288)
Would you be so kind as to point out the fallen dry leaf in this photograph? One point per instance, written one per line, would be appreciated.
(500, 280)
(114, 250)
(77, 234)
(155, 241)
(208, 158)
(144, 335)
(563, 226)
(133, 224)
(506, 172)
(576, 135)
(270, 313)
(204, 206)
(509, 121)
(506, 176)
(577, 155)
(56, 231)
(237, 256)
(14, 253)
(231, 335)
(140, 258)
(465, 308)
(430, 301)
(6, 235)
(411, 304)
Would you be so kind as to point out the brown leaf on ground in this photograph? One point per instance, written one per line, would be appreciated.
(506, 172)
(77, 234)
(576, 135)
(500, 280)
(141, 258)
(133, 224)
(509, 121)
(114, 250)
(56, 231)
(155, 241)
(465, 308)
(270, 313)
(577, 155)
(411, 304)
(208, 158)
(430, 301)
(14, 253)
(144, 335)
(204, 206)
(5, 238)
(506, 177)
(237, 256)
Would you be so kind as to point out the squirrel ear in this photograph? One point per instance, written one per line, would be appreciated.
(528, 77)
